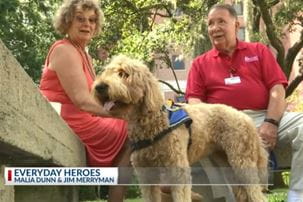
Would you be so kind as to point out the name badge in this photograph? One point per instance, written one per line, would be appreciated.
(232, 80)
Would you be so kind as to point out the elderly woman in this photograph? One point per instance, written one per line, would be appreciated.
(67, 78)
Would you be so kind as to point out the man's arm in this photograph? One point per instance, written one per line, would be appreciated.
(277, 103)
(276, 107)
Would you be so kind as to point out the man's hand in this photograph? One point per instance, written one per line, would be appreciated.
(269, 134)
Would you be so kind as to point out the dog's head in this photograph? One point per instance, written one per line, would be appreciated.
(127, 83)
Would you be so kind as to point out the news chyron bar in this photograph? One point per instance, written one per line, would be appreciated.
(61, 176)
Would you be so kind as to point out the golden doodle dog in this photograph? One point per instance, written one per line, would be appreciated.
(133, 93)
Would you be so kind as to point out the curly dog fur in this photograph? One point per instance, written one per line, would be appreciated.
(135, 95)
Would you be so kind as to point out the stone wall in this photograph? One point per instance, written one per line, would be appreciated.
(32, 134)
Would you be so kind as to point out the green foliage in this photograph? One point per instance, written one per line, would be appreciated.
(277, 17)
(133, 192)
(127, 200)
(294, 101)
(131, 27)
(289, 12)
(25, 28)
(94, 192)
(285, 177)
(135, 30)
(87, 193)
(278, 196)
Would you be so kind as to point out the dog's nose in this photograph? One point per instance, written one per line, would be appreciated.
(101, 88)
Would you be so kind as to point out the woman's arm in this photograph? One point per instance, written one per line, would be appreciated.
(65, 60)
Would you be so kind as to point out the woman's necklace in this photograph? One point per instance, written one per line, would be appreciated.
(84, 55)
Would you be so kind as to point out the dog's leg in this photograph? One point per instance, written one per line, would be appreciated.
(240, 193)
(251, 190)
(151, 193)
(181, 193)
(254, 193)
(147, 176)
(181, 177)
(247, 173)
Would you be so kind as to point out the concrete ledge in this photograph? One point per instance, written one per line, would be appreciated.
(32, 134)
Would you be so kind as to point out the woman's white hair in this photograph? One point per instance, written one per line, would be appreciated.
(65, 14)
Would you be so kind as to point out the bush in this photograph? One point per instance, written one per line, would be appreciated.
(88, 193)
(101, 192)
(133, 192)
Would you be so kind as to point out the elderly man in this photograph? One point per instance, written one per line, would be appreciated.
(247, 77)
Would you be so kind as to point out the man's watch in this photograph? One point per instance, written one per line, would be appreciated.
(272, 121)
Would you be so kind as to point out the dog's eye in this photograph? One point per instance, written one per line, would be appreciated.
(123, 74)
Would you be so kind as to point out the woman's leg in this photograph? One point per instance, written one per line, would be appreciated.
(117, 193)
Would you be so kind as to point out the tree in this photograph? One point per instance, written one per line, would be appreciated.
(132, 27)
(189, 30)
(25, 28)
(137, 31)
(276, 14)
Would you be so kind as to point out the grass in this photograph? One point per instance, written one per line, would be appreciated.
(278, 195)
(127, 200)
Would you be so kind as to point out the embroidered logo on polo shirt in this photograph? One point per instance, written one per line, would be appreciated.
(251, 59)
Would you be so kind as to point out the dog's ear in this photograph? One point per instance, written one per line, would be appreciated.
(153, 99)
(143, 83)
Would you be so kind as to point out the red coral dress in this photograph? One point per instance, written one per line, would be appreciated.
(102, 137)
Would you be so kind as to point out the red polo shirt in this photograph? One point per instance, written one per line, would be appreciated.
(253, 68)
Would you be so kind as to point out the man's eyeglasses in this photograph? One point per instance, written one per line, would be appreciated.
(81, 19)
